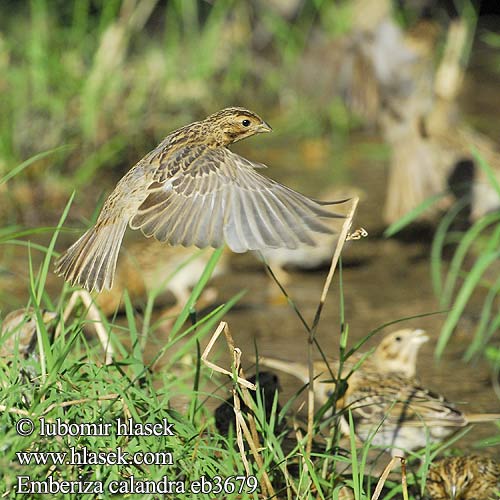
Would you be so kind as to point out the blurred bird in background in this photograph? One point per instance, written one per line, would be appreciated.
(151, 266)
(400, 415)
(18, 332)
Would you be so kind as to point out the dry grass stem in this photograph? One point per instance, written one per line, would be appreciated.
(15, 411)
(64, 404)
(386, 473)
(251, 437)
(94, 315)
(336, 255)
(204, 357)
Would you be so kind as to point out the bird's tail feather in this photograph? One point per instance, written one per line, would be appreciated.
(91, 261)
(482, 417)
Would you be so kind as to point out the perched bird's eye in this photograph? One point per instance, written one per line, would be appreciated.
(398, 339)
(245, 123)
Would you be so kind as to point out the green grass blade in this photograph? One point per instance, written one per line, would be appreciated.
(30, 161)
(412, 215)
(195, 294)
(438, 244)
(463, 248)
(463, 296)
(483, 165)
(50, 250)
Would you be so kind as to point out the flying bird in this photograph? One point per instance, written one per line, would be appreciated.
(192, 190)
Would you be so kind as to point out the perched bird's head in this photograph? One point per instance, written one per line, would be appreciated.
(233, 124)
(462, 478)
(398, 350)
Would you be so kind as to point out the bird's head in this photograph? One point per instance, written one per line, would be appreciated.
(457, 478)
(234, 124)
(398, 350)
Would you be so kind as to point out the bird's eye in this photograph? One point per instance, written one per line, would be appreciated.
(398, 339)
(245, 123)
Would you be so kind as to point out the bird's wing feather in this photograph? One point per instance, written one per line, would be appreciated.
(399, 399)
(204, 196)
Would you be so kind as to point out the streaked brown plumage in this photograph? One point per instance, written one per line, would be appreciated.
(386, 400)
(192, 190)
(399, 413)
(396, 353)
(469, 477)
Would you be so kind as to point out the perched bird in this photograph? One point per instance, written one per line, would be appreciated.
(464, 478)
(396, 353)
(192, 190)
(400, 415)
(18, 332)
(386, 400)
(149, 266)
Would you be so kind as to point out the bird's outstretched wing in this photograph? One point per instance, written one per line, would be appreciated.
(207, 196)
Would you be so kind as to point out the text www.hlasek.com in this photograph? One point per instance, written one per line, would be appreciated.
(83, 456)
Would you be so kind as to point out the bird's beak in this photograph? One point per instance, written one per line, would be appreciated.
(453, 492)
(420, 336)
(48, 316)
(264, 127)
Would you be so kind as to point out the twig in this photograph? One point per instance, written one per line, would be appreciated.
(240, 421)
(251, 437)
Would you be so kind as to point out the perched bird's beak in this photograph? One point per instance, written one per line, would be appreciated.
(420, 337)
(453, 492)
(48, 316)
(264, 127)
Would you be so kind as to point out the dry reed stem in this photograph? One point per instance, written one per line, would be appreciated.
(385, 474)
(93, 314)
(204, 357)
(239, 420)
(310, 345)
(244, 391)
(251, 437)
